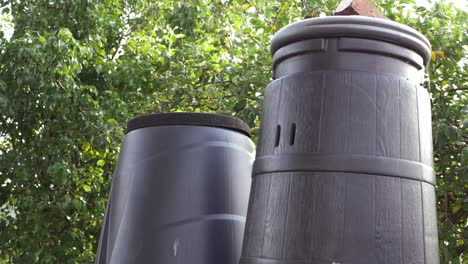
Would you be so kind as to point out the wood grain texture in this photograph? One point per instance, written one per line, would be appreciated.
(412, 220)
(344, 217)
(328, 200)
(267, 133)
(276, 216)
(409, 131)
(362, 114)
(388, 118)
(359, 219)
(425, 126)
(335, 116)
(301, 104)
(431, 240)
(301, 213)
(388, 226)
(251, 217)
(255, 229)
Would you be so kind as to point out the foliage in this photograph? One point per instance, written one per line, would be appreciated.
(73, 72)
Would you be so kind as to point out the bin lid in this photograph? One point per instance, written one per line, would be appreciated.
(353, 26)
(188, 118)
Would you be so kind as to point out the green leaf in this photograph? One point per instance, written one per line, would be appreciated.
(100, 162)
(86, 147)
(77, 204)
(436, 23)
(86, 188)
(63, 180)
(42, 40)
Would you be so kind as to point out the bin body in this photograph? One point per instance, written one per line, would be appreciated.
(179, 192)
(343, 172)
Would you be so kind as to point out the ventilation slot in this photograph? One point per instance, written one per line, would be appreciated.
(293, 134)
(278, 135)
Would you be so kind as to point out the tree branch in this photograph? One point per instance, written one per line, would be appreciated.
(458, 89)
(436, 68)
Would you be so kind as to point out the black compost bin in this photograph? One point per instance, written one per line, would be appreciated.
(179, 192)
(344, 160)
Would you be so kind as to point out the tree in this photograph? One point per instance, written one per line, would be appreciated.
(73, 72)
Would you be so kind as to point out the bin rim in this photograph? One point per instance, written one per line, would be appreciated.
(353, 26)
(190, 119)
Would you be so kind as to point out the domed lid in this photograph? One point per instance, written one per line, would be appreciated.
(191, 119)
(353, 26)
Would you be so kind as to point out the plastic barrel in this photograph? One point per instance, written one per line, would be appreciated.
(343, 172)
(179, 192)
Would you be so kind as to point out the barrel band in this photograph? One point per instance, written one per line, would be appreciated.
(351, 163)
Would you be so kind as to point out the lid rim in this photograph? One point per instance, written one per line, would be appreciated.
(189, 119)
(353, 26)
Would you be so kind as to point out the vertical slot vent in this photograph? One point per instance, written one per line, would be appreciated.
(292, 136)
(278, 135)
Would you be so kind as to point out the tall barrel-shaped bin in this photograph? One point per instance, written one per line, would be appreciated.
(179, 192)
(343, 172)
